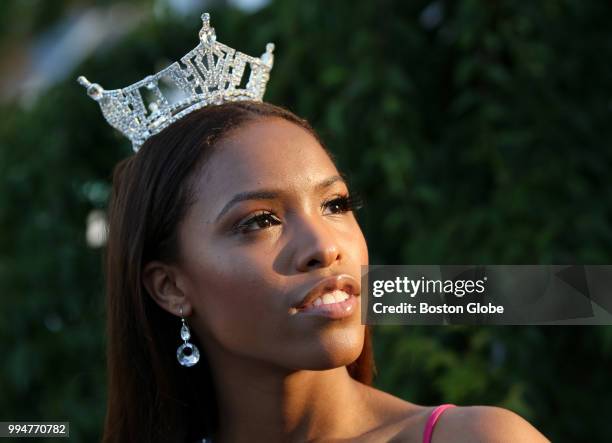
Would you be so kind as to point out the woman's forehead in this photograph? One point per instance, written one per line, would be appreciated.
(266, 152)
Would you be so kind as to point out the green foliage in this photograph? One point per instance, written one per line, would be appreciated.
(481, 138)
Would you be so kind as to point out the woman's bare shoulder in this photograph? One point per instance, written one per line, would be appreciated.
(404, 422)
(468, 424)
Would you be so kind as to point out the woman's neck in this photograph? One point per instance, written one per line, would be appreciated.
(258, 402)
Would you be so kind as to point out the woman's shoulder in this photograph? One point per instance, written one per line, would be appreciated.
(466, 424)
(401, 421)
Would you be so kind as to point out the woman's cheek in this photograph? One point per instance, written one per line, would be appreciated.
(242, 296)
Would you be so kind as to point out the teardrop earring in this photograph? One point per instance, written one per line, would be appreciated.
(187, 353)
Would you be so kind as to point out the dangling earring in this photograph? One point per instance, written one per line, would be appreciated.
(187, 353)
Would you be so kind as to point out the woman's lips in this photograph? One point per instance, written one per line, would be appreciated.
(341, 282)
(333, 304)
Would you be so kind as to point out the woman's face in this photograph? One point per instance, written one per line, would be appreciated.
(241, 275)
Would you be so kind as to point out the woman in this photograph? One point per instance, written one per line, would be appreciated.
(233, 225)
(233, 215)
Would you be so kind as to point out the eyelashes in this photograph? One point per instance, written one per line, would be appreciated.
(347, 203)
(342, 204)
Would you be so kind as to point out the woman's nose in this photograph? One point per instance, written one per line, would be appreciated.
(317, 245)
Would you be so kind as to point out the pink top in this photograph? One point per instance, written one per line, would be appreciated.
(433, 418)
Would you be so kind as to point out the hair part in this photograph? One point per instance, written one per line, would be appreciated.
(150, 396)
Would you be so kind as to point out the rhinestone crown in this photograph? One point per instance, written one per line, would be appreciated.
(211, 73)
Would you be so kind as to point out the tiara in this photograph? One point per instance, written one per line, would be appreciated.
(211, 73)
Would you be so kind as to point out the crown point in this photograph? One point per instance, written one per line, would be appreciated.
(268, 57)
(207, 33)
(94, 90)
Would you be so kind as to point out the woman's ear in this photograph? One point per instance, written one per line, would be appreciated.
(160, 280)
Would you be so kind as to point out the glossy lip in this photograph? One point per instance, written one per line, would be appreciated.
(336, 310)
(342, 282)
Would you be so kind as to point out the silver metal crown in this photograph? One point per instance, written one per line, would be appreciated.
(211, 73)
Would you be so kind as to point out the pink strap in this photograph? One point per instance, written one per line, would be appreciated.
(431, 421)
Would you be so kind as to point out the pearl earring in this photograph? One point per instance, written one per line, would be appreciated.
(187, 353)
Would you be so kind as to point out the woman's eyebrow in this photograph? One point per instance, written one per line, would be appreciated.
(268, 194)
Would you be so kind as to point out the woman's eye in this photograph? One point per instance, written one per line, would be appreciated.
(260, 221)
(343, 203)
(336, 205)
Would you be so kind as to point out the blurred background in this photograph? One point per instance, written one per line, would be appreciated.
(478, 132)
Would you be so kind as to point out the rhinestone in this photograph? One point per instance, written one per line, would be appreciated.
(95, 92)
(185, 335)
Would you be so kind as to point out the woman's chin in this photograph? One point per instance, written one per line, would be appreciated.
(339, 349)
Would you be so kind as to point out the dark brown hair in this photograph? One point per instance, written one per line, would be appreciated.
(150, 396)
